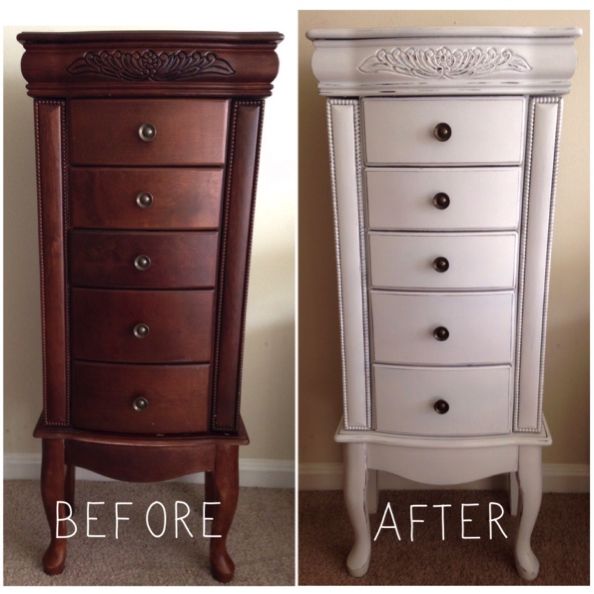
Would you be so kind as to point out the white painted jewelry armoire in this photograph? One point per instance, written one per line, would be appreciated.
(444, 145)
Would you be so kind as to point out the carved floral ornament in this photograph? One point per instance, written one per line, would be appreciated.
(443, 62)
(148, 64)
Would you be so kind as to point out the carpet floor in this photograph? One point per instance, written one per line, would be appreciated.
(261, 540)
(560, 540)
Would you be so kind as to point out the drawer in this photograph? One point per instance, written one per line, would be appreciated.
(483, 130)
(440, 261)
(478, 400)
(444, 199)
(103, 325)
(111, 398)
(186, 131)
(149, 260)
(140, 198)
(480, 327)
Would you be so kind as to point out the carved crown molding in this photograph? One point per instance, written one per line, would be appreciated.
(444, 62)
(150, 65)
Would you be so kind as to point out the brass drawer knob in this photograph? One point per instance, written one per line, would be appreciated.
(441, 407)
(441, 200)
(144, 199)
(441, 264)
(142, 263)
(140, 403)
(441, 333)
(442, 132)
(141, 330)
(147, 132)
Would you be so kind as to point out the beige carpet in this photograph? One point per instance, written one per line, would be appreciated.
(560, 541)
(261, 540)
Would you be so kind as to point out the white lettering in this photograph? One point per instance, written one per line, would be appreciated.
(467, 521)
(148, 511)
(68, 518)
(393, 525)
(92, 519)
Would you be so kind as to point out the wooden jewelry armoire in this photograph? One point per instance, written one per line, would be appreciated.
(147, 156)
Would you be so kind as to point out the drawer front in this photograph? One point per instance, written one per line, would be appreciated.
(135, 198)
(483, 131)
(479, 326)
(187, 131)
(444, 199)
(147, 260)
(430, 261)
(103, 324)
(478, 400)
(140, 398)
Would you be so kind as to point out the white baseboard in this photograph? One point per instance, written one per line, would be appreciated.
(557, 478)
(253, 472)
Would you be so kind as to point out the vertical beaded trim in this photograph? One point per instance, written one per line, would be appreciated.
(362, 257)
(525, 210)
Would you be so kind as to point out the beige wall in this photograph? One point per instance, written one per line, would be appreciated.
(566, 378)
(268, 378)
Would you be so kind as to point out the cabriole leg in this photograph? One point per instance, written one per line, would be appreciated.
(70, 484)
(52, 491)
(355, 492)
(530, 482)
(224, 488)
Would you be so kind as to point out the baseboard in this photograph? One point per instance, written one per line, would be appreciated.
(253, 472)
(557, 478)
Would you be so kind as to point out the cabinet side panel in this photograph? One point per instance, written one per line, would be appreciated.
(234, 252)
(343, 126)
(48, 140)
(538, 208)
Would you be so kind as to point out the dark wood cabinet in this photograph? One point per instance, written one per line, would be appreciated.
(147, 155)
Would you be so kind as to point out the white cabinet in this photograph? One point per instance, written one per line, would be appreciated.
(443, 150)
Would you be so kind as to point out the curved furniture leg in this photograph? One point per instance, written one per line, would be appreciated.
(70, 484)
(225, 480)
(372, 490)
(355, 492)
(530, 479)
(52, 490)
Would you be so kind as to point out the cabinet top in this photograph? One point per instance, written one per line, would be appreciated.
(444, 60)
(431, 32)
(149, 63)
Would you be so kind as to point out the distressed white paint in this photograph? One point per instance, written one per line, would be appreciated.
(498, 89)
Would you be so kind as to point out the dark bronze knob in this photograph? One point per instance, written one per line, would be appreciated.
(144, 199)
(441, 200)
(147, 132)
(140, 403)
(441, 333)
(441, 264)
(441, 407)
(442, 132)
(142, 262)
(141, 330)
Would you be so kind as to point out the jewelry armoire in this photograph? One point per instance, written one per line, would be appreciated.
(147, 155)
(444, 150)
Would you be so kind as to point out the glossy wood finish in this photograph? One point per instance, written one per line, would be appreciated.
(103, 397)
(105, 197)
(235, 258)
(202, 93)
(52, 491)
(48, 140)
(199, 63)
(180, 324)
(180, 260)
(188, 131)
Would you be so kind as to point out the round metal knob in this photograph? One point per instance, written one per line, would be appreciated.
(141, 330)
(147, 132)
(142, 262)
(441, 264)
(442, 132)
(441, 333)
(441, 407)
(144, 199)
(441, 200)
(140, 403)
